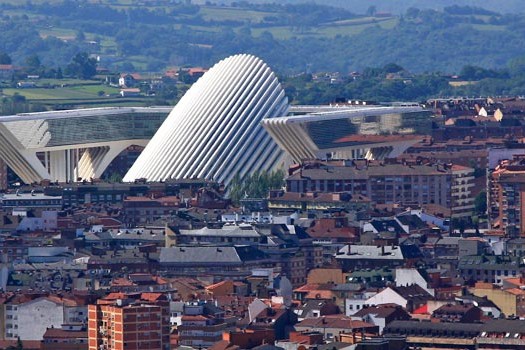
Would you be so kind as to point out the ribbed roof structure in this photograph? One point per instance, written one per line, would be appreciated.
(214, 132)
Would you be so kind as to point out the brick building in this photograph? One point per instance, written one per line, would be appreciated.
(121, 321)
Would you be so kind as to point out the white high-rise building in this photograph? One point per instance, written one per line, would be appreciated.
(215, 131)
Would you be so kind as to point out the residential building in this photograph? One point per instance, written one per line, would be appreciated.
(65, 339)
(353, 257)
(410, 297)
(121, 322)
(312, 201)
(507, 191)
(464, 313)
(389, 183)
(28, 316)
(243, 234)
(23, 202)
(220, 262)
(332, 327)
(381, 315)
(203, 324)
(493, 334)
(510, 301)
(490, 268)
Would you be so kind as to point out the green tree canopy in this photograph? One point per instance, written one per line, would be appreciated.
(255, 185)
(82, 66)
(5, 58)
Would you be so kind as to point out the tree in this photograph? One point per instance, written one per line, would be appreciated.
(371, 11)
(82, 66)
(5, 58)
(80, 36)
(480, 203)
(33, 64)
(255, 185)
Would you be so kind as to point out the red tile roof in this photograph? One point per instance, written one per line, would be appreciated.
(64, 334)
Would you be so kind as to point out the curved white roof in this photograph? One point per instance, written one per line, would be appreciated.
(214, 131)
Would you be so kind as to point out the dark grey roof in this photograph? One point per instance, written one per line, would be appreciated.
(459, 330)
(311, 305)
(413, 292)
(209, 255)
(351, 287)
(489, 262)
(449, 241)
(504, 326)
(333, 345)
(350, 172)
(142, 234)
(387, 225)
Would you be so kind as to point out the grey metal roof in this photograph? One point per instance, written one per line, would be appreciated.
(370, 252)
(198, 254)
(449, 241)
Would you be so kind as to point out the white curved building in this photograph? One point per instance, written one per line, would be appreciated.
(214, 132)
(73, 144)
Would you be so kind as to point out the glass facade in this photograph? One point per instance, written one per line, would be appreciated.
(54, 132)
(334, 133)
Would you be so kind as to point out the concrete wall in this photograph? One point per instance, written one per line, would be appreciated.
(505, 301)
(35, 317)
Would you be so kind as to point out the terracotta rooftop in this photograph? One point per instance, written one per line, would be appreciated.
(64, 334)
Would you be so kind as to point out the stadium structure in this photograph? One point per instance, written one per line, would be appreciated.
(215, 131)
(74, 145)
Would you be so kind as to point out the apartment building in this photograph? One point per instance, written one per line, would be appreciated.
(21, 311)
(388, 183)
(203, 324)
(507, 197)
(120, 322)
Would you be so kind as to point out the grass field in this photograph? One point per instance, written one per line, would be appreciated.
(488, 27)
(233, 14)
(74, 93)
(332, 30)
(55, 94)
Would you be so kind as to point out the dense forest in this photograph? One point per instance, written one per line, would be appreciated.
(292, 38)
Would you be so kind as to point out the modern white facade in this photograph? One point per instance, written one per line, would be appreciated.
(74, 144)
(348, 131)
(214, 132)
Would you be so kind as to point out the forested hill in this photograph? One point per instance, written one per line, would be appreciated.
(129, 36)
(401, 6)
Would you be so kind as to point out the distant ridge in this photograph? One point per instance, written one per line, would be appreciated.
(400, 6)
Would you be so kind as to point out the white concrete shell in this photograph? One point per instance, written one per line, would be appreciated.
(214, 132)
